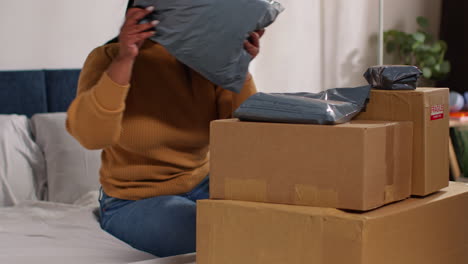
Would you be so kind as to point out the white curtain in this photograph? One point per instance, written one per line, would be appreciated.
(290, 56)
(318, 44)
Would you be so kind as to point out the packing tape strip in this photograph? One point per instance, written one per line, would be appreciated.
(389, 194)
(245, 189)
(390, 154)
(257, 190)
(311, 195)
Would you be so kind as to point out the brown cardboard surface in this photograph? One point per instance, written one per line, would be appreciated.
(430, 155)
(357, 166)
(431, 230)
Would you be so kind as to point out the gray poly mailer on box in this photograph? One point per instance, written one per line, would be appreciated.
(393, 77)
(208, 35)
(333, 106)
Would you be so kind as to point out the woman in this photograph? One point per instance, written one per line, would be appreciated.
(150, 114)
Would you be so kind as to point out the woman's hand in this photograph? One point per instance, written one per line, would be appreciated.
(132, 35)
(131, 38)
(253, 44)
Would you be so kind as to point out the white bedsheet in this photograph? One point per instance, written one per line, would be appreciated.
(44, 232)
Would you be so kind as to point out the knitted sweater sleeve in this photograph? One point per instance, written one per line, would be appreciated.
(95, 115)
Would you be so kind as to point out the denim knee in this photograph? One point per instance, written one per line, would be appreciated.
(163, 226)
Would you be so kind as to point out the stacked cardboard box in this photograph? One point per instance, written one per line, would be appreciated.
(278, 185)
(431, 230)
(355, 166)
(428, 109)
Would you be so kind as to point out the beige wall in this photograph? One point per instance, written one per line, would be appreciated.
(37, 34)
(314, 45)
(400, 13)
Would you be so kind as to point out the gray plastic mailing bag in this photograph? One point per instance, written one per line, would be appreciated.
(208, 35)
(393, 77)
(334, 106)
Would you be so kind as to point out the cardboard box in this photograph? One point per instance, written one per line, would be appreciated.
(355, 166)
(431, 230)
(428, 108)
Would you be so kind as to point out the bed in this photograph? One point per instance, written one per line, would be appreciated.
(48, 182)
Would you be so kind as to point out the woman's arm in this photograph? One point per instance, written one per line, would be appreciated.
(95, 116)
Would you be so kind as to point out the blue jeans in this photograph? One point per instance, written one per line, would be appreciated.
(163, 225)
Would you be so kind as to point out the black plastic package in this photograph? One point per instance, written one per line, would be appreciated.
(393, 77)
(334, 106)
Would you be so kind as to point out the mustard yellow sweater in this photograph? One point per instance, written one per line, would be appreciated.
(154, 132)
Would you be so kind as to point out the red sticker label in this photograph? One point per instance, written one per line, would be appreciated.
(437, 112)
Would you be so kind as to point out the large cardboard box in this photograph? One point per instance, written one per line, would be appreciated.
(429, 110)
(355, 166)
(431, 230)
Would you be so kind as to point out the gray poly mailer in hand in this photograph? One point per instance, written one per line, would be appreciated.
(334, 106)
(208, 35)
(393, 77)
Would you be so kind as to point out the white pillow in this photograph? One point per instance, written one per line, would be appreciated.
(22, 165)
(72, 170)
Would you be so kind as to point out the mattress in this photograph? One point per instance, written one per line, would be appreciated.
(44, 232)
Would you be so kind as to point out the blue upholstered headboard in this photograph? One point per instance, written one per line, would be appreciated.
(42, 91)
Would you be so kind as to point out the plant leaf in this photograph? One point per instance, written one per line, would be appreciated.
(436, 48)
(429, 38)
(422, 22)
(445, 67)
(425, 47)
(416, 46)
(430, 60)
(402, 37)
(391, 32)
(427, 72)
(442, 44)
(391, 46)
(420, 37)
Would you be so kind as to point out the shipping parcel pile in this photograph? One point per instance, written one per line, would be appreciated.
(208, 35)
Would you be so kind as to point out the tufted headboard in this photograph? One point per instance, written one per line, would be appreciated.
(40, 91)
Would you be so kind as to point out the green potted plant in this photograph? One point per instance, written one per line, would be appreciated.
(420, 49)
